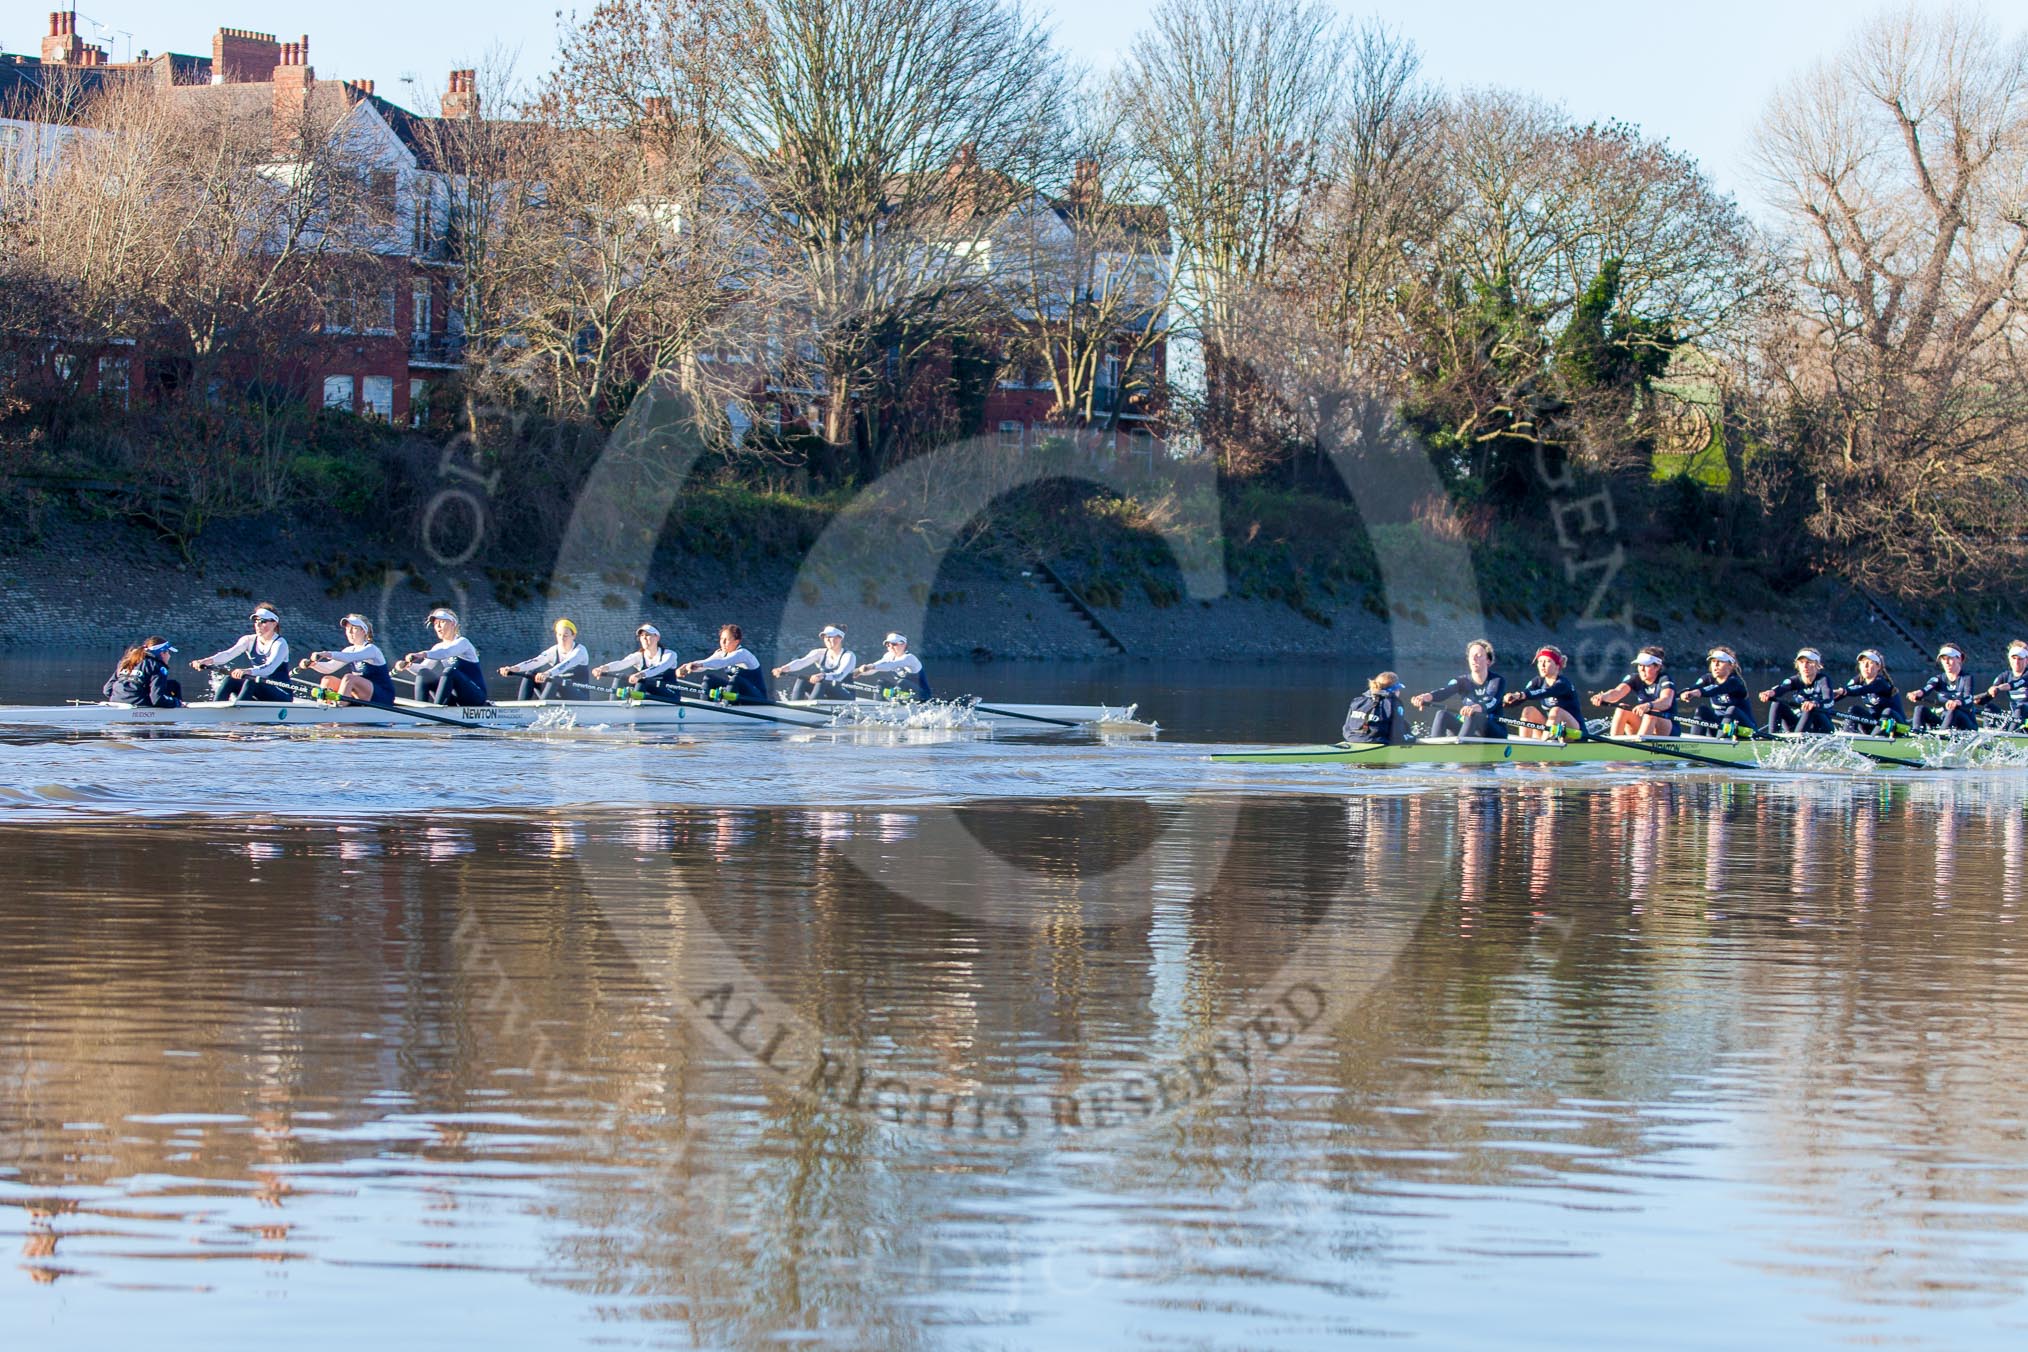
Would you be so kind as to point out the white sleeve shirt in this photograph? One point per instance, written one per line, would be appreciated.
(555, 660)
(256, 666)
(739, 659)
(825, 665)
(908, 664)
(342, 658)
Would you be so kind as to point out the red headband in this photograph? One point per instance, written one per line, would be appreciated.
(1553, 654)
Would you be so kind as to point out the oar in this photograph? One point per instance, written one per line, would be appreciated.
(1031, 718)
(1756, 735)
(1583, 736)
(718, 707)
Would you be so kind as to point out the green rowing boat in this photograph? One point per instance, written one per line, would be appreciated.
(1786, 751)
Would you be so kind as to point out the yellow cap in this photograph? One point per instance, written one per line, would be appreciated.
(565, 624)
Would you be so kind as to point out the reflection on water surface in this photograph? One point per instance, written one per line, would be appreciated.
(1599, 1049)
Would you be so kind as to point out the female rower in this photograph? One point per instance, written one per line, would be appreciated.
(262, 672)
(1552, 690)
(449, 667)
(1874, 689)
(1653, 712)
(1480, 692)
(1376, 716)
(1727, 709)
(730, 668)
(543, 674)
(648, 666)
(1802, 702)
(1952, 689)
(142, 678)
(829, 665)
(358, 670)
(2013, 683)
(901, 671)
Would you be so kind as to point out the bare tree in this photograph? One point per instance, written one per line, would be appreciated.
(1235, 101)
(1085, 269)
(1902, 167)
(885, 139)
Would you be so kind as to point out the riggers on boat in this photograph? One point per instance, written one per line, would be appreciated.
(1690, 750)
(509, 715)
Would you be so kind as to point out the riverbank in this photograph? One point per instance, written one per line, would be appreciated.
(1298, 580)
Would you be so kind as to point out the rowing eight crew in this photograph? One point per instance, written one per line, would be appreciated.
(448, 672)
(1647, 703)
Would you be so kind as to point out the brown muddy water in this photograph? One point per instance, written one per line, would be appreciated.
(952, 1042)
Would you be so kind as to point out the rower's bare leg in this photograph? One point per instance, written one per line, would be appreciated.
(356, 687)
(1651, 726)
(1625, 722)
(1536, 728)
(1562, 719)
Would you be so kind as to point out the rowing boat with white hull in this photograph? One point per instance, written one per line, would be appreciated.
(1909, 751)
(509, 715)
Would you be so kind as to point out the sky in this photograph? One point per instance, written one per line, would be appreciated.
(1696, 75)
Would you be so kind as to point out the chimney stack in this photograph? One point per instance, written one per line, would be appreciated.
(462, 99)
(1084, 188)
(62, 47)
(293, 81)
(239, 56)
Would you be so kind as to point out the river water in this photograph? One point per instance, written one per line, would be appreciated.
(939, 1040)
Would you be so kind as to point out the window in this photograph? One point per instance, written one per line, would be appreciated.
(63, 364)
(376, 393)
(1010, 436)
(379, 313)
(380, 193)
(418, 403)
(419, 309)
(12, 162)
(115, 378)
(338, 392)
(10, 369)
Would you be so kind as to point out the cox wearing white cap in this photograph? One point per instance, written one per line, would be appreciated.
(2013, 683)
(648, 666)
(448, 671)
(1945, 699)
(900, 671)
(257, 667)
(1802, 702)
(358, 670)
(821, 673)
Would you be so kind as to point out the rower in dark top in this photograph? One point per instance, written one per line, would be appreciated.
(1551, 690)
(1376, 717)
(1728, 710)
(257, 667)
(142, 677)
(731, 669)
(448, 671)
(1873, 689)
(1944, 701)
(1652, 712)
(1802, 702)
(1479, 692)
(2013, 683)
(358, 670)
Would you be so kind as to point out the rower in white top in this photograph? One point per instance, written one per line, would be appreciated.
(648, 666)
(821, 673)
(357, 671)
(257, 667)
(731, 673)
(900, 672)
(544, 675)
(448, 671)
